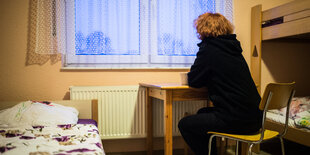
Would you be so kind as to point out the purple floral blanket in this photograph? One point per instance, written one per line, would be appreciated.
(57, 140)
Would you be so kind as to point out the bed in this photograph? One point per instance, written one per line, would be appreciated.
(49, 127)
(299, 120)
(287, 21)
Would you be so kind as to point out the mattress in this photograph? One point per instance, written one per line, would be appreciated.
(87, 121)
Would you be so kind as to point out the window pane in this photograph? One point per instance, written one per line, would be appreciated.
(176, 35)
(107, 27)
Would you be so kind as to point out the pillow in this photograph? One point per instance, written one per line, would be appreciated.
(11, 116)
(38, 114)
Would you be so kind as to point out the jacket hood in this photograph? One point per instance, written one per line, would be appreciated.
(227, 43)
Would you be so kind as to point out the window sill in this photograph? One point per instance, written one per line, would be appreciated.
(123, 68)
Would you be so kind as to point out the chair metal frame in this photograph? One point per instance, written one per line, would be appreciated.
(268, 95)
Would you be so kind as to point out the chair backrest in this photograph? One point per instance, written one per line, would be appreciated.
(281, 94)
(277, 96)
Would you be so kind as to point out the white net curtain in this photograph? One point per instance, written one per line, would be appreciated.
(173, 28)
(50, 27)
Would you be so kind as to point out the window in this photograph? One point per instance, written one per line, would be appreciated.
(135, 33)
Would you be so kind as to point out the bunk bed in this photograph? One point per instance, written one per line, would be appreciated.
(290, 20)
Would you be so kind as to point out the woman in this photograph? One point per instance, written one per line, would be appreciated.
(221, 68)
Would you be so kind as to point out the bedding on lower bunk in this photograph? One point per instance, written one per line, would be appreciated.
(299, 115)
(33, 127)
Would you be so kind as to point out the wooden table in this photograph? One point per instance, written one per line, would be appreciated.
(168, 92)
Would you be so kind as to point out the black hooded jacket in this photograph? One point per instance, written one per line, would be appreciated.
(221, 68)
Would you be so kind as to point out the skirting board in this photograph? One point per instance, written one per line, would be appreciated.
(135, 145)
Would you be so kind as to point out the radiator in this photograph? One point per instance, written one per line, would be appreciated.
(122, 110)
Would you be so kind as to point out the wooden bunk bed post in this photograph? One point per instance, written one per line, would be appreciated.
(256, 45)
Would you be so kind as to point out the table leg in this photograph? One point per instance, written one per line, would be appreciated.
(149, 128)
(244, 148)
(168, 122)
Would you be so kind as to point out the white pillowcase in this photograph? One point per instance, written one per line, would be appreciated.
(38, 114)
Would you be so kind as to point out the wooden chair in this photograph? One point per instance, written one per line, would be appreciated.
(276, 96)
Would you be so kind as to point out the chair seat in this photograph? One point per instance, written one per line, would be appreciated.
(268, 134)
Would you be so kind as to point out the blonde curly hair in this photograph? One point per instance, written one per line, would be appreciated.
(212, 25)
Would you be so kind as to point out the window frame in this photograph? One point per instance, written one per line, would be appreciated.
(148, 58)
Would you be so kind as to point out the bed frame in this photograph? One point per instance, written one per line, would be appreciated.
(301, 136)
(290, 20)
(88, 109)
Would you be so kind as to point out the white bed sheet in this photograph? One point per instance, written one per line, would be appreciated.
(280, 119)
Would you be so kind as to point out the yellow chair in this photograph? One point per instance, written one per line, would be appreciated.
(276, 96)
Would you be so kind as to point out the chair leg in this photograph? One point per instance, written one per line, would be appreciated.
(210, 144)
(250, 149)
(282, 146)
